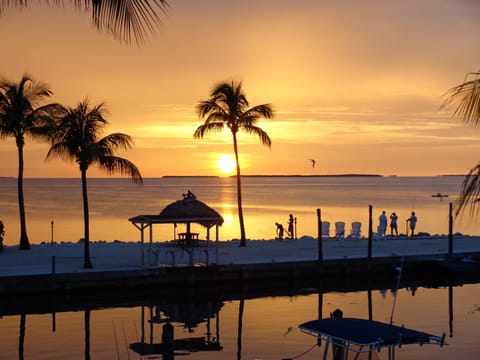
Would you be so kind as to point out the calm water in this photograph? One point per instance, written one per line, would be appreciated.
(266, 201)
(269, 326)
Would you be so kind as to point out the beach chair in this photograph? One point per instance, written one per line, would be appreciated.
(326, 228)
(356, 230)
(340, 230)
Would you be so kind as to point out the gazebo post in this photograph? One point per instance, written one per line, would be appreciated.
(151, 239)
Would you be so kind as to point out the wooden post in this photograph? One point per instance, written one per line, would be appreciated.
(320, 240)
(369, 232)
(450, 230)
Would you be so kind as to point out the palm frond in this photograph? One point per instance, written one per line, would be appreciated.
(116, 140)
(261, 134)
(465, 100)
(210, 127)
(114, 164)
(126, 20)
(60, 150)
(470, 193)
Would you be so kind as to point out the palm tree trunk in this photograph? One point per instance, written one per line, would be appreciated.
(24, 243)
(86, 224)
(243, 237)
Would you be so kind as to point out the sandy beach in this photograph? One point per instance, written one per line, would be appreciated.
(112, 256)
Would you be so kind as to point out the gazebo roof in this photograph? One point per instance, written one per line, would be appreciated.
(187, 210)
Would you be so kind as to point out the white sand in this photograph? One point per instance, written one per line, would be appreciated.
(128, 255)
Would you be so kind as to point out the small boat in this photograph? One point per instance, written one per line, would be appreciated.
(357, 336)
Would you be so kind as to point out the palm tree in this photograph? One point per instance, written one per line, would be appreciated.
(464, 99)
(228, 108)
(21, 115)
(126, 20)
(78, 139)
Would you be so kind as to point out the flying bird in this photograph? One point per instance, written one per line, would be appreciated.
(313, 162)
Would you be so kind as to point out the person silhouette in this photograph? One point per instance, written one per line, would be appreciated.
(393, 224)
(291, 226)
(413, 223)
(382, 226)
(279, 231)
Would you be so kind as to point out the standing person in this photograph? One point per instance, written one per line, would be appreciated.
(393, 224)
(279, 231)
(382, 225)
(291, 225)
(413, 222)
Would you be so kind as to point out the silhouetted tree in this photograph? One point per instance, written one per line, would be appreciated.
(78, 139)
(228, 108)
(22, 114)
(126, 20)
(464, 99)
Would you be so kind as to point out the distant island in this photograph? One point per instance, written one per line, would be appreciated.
(260, 175)
(326, 175)
(190, 176)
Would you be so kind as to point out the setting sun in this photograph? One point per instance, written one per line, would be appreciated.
(226, 164)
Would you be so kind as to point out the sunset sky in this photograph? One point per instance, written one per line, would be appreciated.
(355, 85)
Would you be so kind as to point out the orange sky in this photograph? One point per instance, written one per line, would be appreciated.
(356, 85)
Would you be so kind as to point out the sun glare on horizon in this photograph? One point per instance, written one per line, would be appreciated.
(226, 164)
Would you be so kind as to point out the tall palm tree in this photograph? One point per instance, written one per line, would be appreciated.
(126, 20)
(464, 99)
(22, 115)
(78, 139)
(228, 108)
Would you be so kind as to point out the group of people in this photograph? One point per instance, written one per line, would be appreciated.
(290, 230)
(382, 225)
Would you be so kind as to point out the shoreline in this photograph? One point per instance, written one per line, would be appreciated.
(58, 269)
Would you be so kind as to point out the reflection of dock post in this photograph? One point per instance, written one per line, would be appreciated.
(370, 307)
(320, 314)
(450, 309)
(168, 342)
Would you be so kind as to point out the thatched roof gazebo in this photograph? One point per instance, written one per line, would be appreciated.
(185, 211)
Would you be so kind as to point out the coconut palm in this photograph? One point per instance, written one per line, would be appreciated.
(22, 114)
(228, 107)
(126, 20)
(78, 139)
(464, 99)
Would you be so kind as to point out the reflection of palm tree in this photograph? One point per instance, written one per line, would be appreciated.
(87, 334)
(78, 139)
(228, 107)
(240, 328)
(21, 115)
(465, 100)
(124, 19)
(21, 338)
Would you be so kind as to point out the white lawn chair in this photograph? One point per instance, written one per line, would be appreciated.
(326, 229)
(356, 231)
(340, 230)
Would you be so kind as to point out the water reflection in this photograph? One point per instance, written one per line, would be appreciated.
(168, 329)
(190, 315)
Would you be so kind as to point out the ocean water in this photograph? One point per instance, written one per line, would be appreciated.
(266, 200)
(269, 324)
